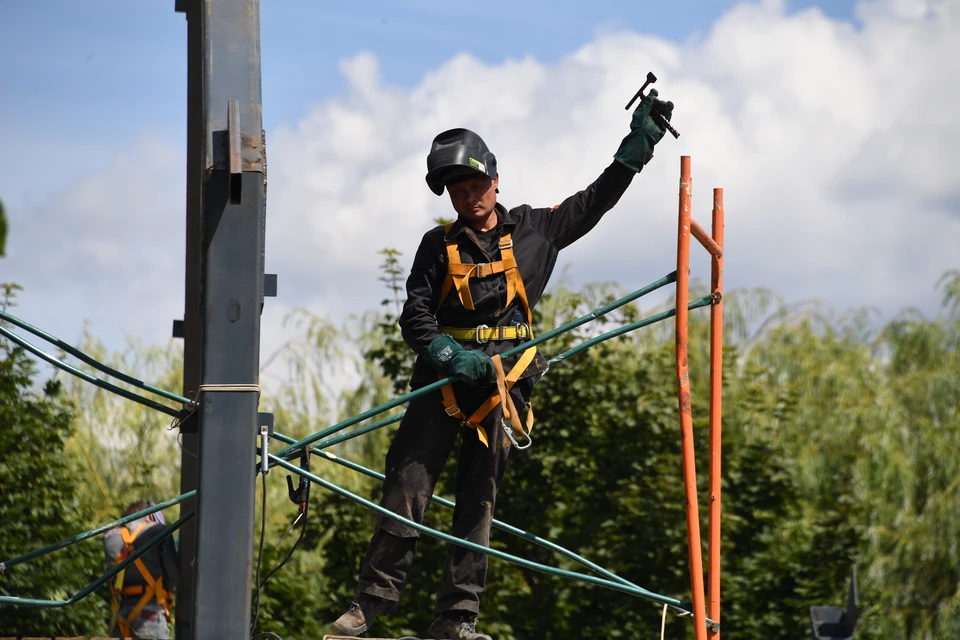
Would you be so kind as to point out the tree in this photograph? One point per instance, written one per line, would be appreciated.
(39, 505)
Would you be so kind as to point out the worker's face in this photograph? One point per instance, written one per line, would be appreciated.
(474, 200)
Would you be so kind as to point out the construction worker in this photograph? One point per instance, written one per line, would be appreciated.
(141, 592)
(470, 296)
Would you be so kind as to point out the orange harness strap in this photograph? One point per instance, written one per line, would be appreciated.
(154, 587)
(458, 277)
(459, 274)
(504, 384)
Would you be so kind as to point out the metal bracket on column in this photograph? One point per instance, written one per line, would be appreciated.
(270, 285)
(235, 142)
(178, 329)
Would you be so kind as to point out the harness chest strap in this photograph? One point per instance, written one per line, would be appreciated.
(459, 274)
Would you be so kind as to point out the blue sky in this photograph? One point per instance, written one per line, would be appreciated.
(79, 80)
(839, 187)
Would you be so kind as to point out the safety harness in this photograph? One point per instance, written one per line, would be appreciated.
(153, 588)
(458, 278)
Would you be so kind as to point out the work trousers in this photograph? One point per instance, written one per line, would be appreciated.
(416, 458)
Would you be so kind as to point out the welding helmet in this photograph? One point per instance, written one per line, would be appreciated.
(457, 154)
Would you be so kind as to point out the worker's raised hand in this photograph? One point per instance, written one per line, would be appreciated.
(647, 128)
(450, 358)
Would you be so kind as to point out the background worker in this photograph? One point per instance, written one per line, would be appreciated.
(470, 296)
(141, 592)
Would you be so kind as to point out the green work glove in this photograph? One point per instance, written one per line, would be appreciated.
(451, 359)
(646, 130)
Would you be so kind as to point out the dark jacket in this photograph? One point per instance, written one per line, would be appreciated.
(538, 236)
(162, 560)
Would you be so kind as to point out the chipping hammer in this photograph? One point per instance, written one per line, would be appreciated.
(653, 92)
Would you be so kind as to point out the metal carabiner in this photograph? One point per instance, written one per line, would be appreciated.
(508, 430)
(477, 335)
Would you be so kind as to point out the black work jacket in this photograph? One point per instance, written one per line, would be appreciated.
(538, 236)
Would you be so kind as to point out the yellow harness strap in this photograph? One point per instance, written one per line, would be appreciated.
(459, 274)
(458, 277)
(154, 587)
(504, 384)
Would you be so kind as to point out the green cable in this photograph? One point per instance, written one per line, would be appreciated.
(529, 564)
(292, 450)
(103, 384)
(57, 342)
(520, 533)
(96, 584)
(97, 531)
(573, 324)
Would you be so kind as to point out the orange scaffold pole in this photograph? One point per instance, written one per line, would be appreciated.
(683, 392)
(716, 387)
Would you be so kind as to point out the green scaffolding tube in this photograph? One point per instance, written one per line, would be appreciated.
(103, 384)
(662, 282)
(96, 584)
(94, 532)
(318, 449)
(99, 366)
(292, 451)
(520, 533)
(529, 564)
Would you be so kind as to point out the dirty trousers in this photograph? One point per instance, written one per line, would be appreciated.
(414, 462)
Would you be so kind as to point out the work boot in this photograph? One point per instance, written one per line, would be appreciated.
(456, 625)
(361, 615)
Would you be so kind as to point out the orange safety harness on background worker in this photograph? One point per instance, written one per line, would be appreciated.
(458, 278)
(153, 588)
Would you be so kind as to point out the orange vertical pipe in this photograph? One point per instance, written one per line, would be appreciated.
(683, 392)
(716, 390)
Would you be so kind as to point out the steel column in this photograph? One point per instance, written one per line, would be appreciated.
(192, 316)
(232, 263)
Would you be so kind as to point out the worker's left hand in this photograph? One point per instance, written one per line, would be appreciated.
(646, 130)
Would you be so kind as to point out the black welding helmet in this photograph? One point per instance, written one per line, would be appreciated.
(458, 153)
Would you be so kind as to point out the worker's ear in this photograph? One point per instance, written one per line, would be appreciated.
(496, 183)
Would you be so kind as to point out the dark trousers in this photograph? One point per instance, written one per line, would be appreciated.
(416, 458)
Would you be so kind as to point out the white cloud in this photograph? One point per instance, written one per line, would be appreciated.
(836, 145)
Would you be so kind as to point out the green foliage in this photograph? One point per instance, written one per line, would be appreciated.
(39, 505)
(840, 447)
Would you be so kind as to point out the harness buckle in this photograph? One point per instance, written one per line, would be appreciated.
(508, 245)
(526, 332)
(481, 269)
(477, 334)
(452, 410)
(508, 430)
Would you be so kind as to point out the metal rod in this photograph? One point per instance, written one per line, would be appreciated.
(536, 566)
(7, 564)
(716, 414)
(83, 375)
(96, 584)
(293, 452)
(708, 243)
(662, 282)
(99, 366)
(683, 395)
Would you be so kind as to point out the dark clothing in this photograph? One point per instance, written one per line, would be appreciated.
(427, 434)
(538, 236)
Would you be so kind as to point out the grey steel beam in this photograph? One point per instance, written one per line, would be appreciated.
(232, 263)
(192, 326)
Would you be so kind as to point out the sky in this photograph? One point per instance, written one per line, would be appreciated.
(831, 126)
